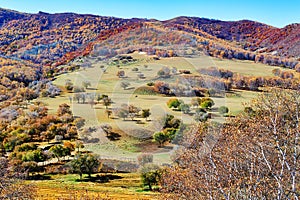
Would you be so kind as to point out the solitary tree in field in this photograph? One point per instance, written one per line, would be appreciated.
(173, 103)
(207, 103)
(85, 163)
(69, 85)
(107, 129)
(86, 84)
(125, 85)
(121, 74)
(223, 110)
(108, 112)
(150, 175)
(161, 138)
(185, 108)
(106, 102)
(146, 113)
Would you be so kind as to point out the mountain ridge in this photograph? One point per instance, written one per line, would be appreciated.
(45, 38)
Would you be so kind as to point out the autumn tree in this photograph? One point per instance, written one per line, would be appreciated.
(64, 109)
(249, 157)
(12, 185)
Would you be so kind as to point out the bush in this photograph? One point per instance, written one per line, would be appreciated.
(69, 85)
(174, 102)
(223, 110)
(77, 89)
(150, 84)
(145, 158)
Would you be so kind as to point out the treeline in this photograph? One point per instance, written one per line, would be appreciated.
(21, 82)
(215, 82)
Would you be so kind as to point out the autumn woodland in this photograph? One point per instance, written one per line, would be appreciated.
(95, 107)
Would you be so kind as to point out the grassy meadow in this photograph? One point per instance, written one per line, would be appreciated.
(114, 186)
(133, 136)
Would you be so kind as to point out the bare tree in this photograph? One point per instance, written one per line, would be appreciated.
(254, 156)
(11, 183)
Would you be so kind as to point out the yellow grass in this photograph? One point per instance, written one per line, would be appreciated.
(64, 187)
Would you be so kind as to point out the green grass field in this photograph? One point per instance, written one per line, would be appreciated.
(120, 186)
(108, 83)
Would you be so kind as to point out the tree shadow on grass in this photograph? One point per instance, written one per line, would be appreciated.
(100, 178)
(114, 136)
(38, 177)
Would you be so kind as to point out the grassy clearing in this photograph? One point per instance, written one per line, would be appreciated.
(132, 141)
(120, 186)
(108, 83)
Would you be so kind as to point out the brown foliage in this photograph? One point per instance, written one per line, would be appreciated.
(253, 156)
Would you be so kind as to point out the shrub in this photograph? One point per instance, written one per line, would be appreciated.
(150, 84)
(145, 158)
(223, 110)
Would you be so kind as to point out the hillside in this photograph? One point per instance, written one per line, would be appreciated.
(253, 36)
(49, 39)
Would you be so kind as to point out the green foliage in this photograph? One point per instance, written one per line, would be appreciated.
(35, 155)
(59, 151)
(185, 108)
(161, 138)
(85, 163)
(150, 84)
(174, 103)
(207, 103)
(146, 113)
(26, 147)
(145, 90)
(223, 110)
(150, 175)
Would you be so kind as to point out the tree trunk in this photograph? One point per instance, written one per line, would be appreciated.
(150, 186)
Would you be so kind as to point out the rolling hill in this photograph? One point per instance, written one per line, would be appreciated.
(53, 39)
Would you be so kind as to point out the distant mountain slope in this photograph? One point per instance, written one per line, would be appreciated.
(54, 39)
(43, 38)
(8, 15)
(251, 35)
